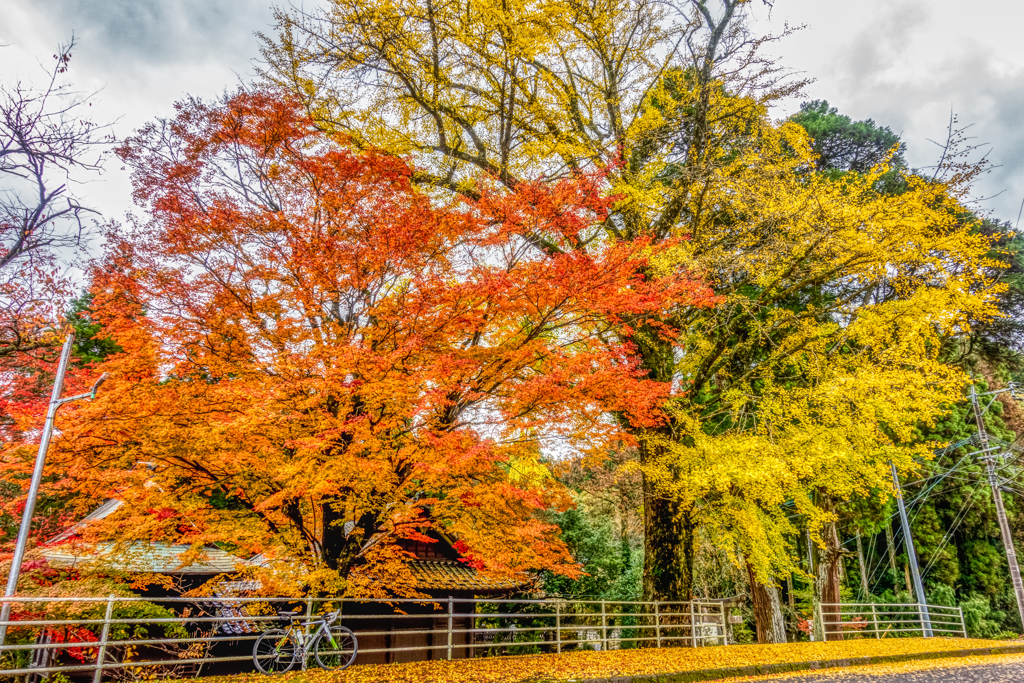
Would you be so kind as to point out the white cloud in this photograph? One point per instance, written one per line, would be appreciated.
(904, 63)
(907, 64)
(139, 56)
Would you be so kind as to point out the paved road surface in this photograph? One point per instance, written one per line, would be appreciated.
(990, 673)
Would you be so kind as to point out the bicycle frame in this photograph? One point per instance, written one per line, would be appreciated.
(297, 630)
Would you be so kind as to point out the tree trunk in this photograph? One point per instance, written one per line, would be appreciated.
(778, 629)
(669, 534)
(768, 619)
(828, 580)
(668, 548)
(891, 547)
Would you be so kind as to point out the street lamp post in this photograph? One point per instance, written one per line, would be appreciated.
(37, 477)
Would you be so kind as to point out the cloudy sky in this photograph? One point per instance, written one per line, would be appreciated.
(908, 64)
(905, 63)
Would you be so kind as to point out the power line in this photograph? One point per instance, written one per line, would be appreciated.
(898, 534)
(960, 517)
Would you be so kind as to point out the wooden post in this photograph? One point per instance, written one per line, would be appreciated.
(101, 653)
(558, 627)
(451, 609)
(874, 620)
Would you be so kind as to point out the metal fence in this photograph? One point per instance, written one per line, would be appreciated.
(873, 620)
(185, 637)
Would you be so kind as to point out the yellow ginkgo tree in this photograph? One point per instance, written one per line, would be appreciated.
(821, 353)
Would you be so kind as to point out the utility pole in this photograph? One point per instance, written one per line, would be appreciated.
(997, 496)
(926, 622)
(37, 478)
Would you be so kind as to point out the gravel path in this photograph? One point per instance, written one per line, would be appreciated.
(984, 673)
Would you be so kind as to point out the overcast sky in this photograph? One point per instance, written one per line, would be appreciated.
(905, 63)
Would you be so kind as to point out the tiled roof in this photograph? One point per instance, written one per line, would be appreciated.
(108, 508)
(154, 558)
(446, 575)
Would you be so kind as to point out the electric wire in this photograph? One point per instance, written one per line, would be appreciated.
(961, 516)
(898, 535)
(898, 532)
(936, 483)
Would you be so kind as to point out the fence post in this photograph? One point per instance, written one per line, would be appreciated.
(558, 627)
(101, 653)
(604, 625)
(693, 626)
(451, 609)
(920, 619)
(725, 628)
(874, 621)
(963, 626)
(657, 622)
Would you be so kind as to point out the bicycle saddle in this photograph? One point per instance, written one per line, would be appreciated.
(282, 613)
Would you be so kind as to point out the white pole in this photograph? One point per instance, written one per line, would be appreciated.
(451, 610)
(558, 625)
(604, 624)
(101, 655)
(33, 489)
(926, 624)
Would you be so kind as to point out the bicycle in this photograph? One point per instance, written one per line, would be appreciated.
(277, 650)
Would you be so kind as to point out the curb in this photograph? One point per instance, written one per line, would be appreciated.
(798, 667)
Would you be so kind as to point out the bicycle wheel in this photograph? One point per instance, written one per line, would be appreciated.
(274, 651)
(336, 649)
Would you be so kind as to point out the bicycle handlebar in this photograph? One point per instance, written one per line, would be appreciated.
(328, 618)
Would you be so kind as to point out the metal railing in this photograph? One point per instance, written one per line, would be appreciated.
(875, 620)
(204, 635)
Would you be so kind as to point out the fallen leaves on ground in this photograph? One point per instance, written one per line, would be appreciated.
(575, 666)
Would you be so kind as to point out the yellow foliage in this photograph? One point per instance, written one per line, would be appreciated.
(822, 356)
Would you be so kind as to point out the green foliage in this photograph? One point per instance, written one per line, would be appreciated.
(71, 584)
(532, 637)
(147, 611)
(979, 617)
(942, 595)
(843, 144)
(742, 633)
(1000, 341)
(91, 346)
(614, 568)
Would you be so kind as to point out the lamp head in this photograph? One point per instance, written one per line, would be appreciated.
(95, 387)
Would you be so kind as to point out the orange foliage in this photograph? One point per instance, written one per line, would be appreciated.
(320, 360)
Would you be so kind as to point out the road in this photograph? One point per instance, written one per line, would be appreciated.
(997, 672)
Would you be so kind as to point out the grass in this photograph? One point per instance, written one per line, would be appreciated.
(576, 666)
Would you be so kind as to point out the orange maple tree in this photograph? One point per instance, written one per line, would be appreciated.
(320, 359)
